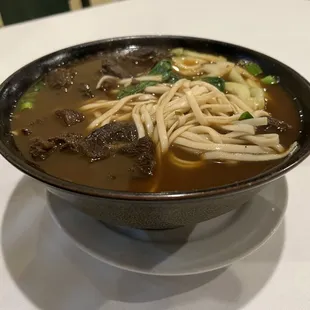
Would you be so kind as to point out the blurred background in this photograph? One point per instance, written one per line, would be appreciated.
(16, 11)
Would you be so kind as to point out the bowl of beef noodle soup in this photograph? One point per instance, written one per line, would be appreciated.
(155, 132)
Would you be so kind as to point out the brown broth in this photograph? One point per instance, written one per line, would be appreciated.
(114, 173)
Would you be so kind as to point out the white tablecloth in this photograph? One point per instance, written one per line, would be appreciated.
(40, 268)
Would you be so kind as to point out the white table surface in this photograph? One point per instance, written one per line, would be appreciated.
(40, 268)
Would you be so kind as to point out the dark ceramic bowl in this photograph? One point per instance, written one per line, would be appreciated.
(152, 210)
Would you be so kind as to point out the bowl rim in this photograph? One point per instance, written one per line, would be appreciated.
(233, 188)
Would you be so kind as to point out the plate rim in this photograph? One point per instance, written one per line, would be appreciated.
(118, 265)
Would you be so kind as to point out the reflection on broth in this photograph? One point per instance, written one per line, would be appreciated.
(149, 120)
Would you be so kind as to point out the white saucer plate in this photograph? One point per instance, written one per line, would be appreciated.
(207, 246)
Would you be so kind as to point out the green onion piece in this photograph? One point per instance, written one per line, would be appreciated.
(28, 99)
(218, 82)
(253, 68)
(270, 79)
(245, 115)
(26, 105)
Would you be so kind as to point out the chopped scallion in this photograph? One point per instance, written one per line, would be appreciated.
(270, 79)
(253, 68)
(245, 115)
(28, 99)
(26, 105)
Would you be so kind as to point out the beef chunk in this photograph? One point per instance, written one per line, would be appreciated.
(147, 55)
(279, 125)
(115, 137)
(26, 131)
(105, 141)
(142, 145)
(143, 151)
(111, 66)
(60, 78)
(121, 137)
(108, 84)
(130, 63)
(70, 117)
(146, 163)
(86, 91)
(67, 142)
(40, 149)
(94, 149)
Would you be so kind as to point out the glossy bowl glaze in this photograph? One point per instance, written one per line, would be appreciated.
(152, 210)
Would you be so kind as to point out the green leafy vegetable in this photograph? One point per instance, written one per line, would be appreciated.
(173, 78)
(270, 79)
(253, 68)
(163, 68)
(218, 82)
(28, 99)
(245, 115)
(135, 89)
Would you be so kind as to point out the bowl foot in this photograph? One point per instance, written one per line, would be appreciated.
(179, 234)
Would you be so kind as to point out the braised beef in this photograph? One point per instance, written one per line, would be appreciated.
(279, 125)
(113, 138)
(95, 150)
(115, 132)
(60, 78)
(70, 117)
(146, 163)
(67, 142)
(105, 141)
(149, 55)
(108, 84)
(111, 66)
(40, 149)
(143, 151)
(26, 131)
(131, 63)
(86, 91)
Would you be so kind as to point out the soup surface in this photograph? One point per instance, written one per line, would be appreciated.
(204, 153)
